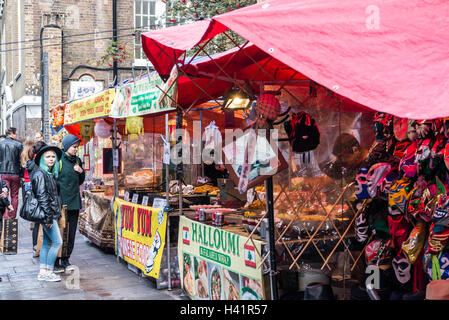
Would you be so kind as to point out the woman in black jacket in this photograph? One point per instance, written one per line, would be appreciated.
(43, 172)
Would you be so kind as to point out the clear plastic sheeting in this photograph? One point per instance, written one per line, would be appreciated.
(314, 211)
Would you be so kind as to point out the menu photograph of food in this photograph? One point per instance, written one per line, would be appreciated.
(215, 281)
(202, 287)
(251, 289)
(188, 280)
(231, 285)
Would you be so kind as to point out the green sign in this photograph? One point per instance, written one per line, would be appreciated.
(218, 264)
(143, 97)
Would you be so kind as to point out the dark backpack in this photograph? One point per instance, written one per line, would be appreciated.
(303, 132)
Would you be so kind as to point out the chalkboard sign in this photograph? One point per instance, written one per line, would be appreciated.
(108, 160)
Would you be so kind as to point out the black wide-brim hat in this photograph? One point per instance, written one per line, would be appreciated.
(44, 149)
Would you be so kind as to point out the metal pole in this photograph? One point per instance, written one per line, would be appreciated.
(270, 211)
(167, 197)
(201, 143)
(179, 169)
(45, 102)
(44, 113)
(115, 71)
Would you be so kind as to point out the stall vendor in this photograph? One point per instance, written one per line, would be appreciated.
(349, 158)
(214, 172)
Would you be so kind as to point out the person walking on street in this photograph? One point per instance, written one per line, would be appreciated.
(28, 154)
(10, 169)
(43, 172)
(70, 178)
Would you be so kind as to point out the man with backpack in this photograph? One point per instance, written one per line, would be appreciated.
(71, 176)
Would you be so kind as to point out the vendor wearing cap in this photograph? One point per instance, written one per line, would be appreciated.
(71, 176)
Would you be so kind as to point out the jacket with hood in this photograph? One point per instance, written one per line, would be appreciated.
(45, 189)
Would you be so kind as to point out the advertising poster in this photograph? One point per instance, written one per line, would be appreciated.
(95, 106)
(141, 97)
(215, 264)
(140, 235)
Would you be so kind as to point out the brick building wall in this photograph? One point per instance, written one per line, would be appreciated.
(75, 17)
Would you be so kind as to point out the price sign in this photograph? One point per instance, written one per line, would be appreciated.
(145, 201)
(135, 198)
(159, 203)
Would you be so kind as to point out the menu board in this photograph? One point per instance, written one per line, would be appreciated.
(216, 264)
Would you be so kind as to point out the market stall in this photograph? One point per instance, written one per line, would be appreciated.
(321, 211)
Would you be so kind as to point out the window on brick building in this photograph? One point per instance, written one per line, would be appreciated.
(146, 14)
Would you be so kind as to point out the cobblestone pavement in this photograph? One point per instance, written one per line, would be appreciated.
(101, 276)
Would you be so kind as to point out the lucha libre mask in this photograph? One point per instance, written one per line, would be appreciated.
(402, 268)
(411, 130)
(423, 151)
(424, 129)
(371, 251)
(375, 176)
(397, 197)
(415, 242)
(386, 183)
(440, 214)
(400, 128)
(362, 184)
(400, 148)
(438, 239)
(407, 164)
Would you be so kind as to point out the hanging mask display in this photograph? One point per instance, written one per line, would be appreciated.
(407, 165)
(423, 151)
(400, 128)
(362, 184)
(424, 129)
(402, 267)
(415, 242)
(442, 264)
(411, 131)
(416, 203)
(371, 250)
(397, 197)
(361, 228)
(438, 238)
(386, 183)
(375, 177)
(440, 216)
(400, 148)
(383, 126)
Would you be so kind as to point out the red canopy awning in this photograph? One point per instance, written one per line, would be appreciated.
(391, 56)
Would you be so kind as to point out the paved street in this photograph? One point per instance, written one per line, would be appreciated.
(101, 276)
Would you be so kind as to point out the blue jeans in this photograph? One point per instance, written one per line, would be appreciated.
(49, 253)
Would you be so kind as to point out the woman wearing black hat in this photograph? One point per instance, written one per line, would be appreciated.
(70, 178)
(43, 172)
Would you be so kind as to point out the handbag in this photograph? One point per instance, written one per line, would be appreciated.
(31, 211)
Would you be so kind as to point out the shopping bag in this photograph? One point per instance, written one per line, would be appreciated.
(9, 237)
(64, 230)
